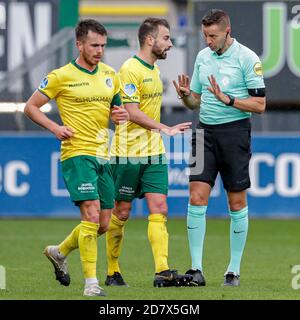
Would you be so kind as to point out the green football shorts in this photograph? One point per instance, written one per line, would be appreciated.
(89, 178)
(139, 176)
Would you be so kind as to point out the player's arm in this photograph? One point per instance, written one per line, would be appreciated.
(33, 112)
(118, 113)
(139, 117)
(189, 98)
(255, 103)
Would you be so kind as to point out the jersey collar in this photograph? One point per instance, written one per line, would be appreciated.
(144, 62)
(83, 69)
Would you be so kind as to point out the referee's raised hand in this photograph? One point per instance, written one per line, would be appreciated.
(215, 89)
(183, 85)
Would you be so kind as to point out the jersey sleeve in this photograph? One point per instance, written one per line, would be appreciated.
(252, 70)
(130, 91)
(50, 85)
(195, 82)
(116, 101)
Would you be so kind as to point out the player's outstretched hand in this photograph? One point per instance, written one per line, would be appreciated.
(179, 128)
(119, 115)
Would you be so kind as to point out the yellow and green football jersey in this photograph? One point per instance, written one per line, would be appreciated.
(84, 100)
(140, 83)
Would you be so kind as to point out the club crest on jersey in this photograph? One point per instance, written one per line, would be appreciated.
(130, 89)
(108, 82)
(44, 83)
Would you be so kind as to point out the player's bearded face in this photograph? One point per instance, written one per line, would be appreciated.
(159, 52)
(162, 43)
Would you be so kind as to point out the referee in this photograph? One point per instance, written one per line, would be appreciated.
(228, 85)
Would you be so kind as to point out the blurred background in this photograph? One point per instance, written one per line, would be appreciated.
(37, 36)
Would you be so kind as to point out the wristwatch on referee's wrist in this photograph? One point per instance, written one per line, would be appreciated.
(231, 100)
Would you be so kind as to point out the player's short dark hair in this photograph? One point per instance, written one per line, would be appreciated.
(216, 16)
(150, 27)
(84, 26)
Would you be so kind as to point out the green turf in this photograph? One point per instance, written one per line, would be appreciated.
(272, 249)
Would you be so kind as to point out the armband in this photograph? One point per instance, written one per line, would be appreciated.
(258, 92)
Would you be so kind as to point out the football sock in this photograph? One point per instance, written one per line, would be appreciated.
(158, 238)
(196, 226)
(71, 242)
(88, 248)
(238, 236)
(114, 241)
(89, 281)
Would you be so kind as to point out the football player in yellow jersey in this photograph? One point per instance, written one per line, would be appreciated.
(138, 154)
(85, 91)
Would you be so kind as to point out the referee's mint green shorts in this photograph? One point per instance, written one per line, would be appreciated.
(89, 178)
(134, 177)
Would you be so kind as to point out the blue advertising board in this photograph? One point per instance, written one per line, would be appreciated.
(31, 183)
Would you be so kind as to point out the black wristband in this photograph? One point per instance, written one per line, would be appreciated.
(231, 102)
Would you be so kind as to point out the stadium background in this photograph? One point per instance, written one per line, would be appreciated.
(37, 36)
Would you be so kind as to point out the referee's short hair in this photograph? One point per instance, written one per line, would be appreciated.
(216, 16)
(150, 27)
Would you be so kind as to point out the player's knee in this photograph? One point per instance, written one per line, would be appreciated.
(122, 211)
(160, 207)
(197, 199)
(90, 211)
(103, 228)
(236, 204)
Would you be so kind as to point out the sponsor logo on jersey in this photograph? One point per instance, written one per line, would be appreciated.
(130, 89)
(109, 73)
(147, 80)
(151, 95)
(79, 84)
(44, 83)
(127, 98)
(93, 99)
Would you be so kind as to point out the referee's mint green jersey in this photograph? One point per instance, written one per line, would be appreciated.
(236, 70)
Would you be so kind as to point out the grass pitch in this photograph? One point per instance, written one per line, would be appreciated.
(273, 248)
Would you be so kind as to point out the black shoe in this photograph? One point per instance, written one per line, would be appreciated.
(231, 280)
(198, 278)
(171, 278)
(115, 280)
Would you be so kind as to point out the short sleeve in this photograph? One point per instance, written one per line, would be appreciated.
(253, 73)
(130, 92)
(195, 82)
(116, 101)
(50, 86)
(116, 84)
